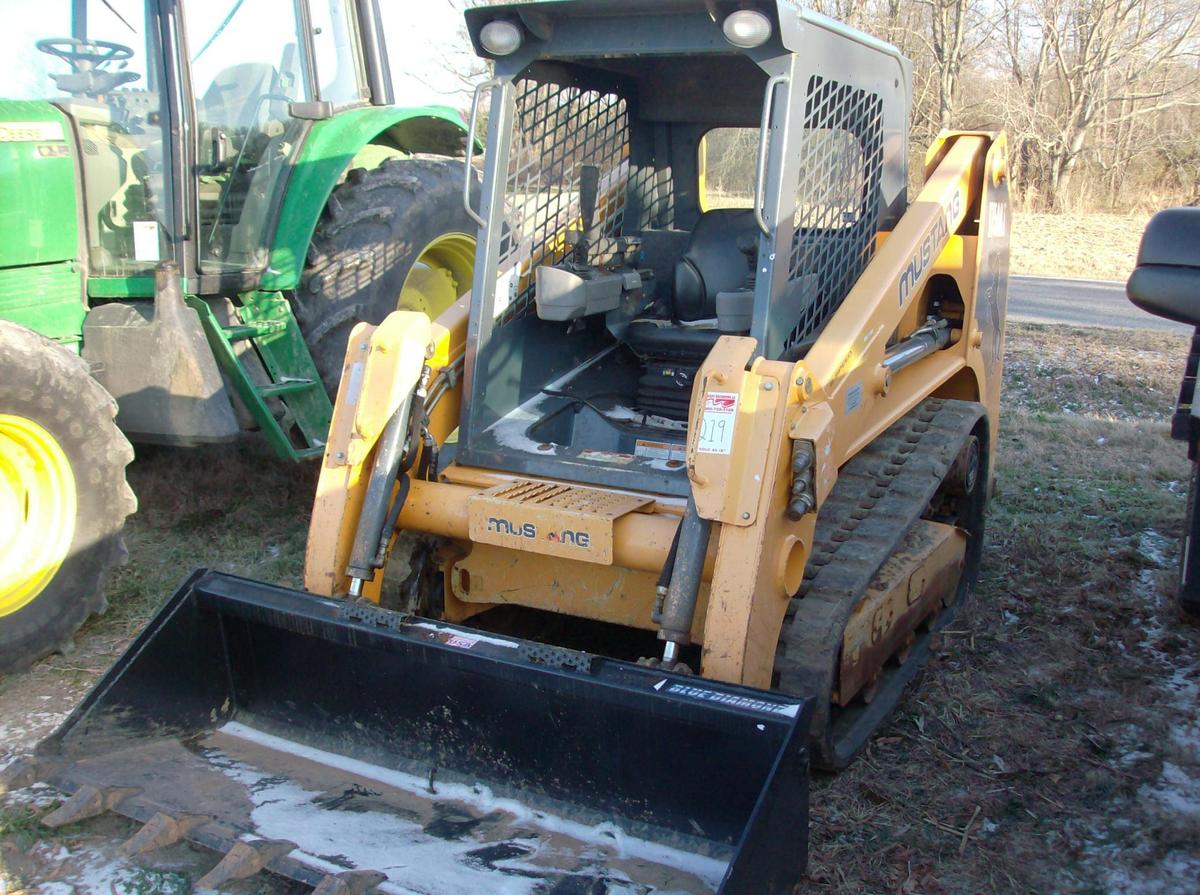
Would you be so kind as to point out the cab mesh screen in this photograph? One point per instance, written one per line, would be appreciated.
(837, 200)
(557, 129)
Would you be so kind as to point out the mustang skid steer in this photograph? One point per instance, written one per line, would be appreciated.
(681, 492)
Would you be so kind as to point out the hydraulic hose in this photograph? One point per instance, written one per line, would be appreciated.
(679, 607)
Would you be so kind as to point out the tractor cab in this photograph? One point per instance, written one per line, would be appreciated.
(186, 118)
(724, 174)
(205, 142)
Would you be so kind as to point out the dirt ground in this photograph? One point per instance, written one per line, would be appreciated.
(1087, 247)
(1052, 745)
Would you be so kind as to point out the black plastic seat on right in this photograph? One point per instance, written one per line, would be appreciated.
(712, 263)
(1166, 281)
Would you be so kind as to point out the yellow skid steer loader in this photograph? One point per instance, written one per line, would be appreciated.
(666, 508)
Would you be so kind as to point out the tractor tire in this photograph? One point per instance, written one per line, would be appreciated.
(63, 495)
(395, 236)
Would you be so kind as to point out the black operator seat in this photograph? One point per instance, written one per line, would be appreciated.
(712, 263)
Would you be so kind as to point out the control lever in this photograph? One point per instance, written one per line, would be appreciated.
(589, 189)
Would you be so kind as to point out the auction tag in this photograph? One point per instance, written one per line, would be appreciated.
(716, 423)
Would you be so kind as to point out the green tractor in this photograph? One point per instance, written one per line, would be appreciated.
(196, 205)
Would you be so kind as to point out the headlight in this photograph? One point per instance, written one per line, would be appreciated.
(502, 37)
(747, 28)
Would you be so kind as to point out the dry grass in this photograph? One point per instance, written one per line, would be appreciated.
(1089, 247)
(1021, 761)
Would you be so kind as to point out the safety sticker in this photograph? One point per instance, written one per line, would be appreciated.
(716, 423)
(659, 450)
(460, 641)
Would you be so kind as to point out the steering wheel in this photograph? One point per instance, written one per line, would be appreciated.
(84, 55)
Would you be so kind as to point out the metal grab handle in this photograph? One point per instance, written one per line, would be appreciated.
(764, 140)
(474, 120)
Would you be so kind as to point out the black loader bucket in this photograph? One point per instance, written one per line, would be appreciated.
(356, 749)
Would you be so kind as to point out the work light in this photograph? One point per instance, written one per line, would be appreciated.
(502, 37)
(746, 28)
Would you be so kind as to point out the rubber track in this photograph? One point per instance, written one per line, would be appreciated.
(878, 497)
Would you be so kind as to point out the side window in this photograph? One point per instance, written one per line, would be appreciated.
(338, 58)
(100, 65)
(727, 160)
(247, 67)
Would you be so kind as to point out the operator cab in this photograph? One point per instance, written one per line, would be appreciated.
(638, 207)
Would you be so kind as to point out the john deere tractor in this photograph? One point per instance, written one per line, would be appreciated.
(196, 205)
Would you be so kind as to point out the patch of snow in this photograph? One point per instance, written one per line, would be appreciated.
(1154, 547)
(59, 888)
(1177, 875)
(1131, 758)
(89, 871)
(399, 847)
(1177, 790)
(511, 430)
(17, 738)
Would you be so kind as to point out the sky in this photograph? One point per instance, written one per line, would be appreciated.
(427, 43)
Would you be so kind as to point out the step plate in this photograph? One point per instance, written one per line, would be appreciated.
(550, 518)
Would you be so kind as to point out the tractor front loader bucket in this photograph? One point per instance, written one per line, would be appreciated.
(356, 749)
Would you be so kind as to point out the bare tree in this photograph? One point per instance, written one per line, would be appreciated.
(1100, 98)
(1078, 65)
(950, 21)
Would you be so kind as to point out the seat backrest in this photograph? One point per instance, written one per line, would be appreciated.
(712, 262)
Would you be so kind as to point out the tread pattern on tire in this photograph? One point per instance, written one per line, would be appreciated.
(365, 243)
(48, 383)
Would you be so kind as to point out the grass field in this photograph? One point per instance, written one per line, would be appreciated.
(1051, 746)
(1089, 247)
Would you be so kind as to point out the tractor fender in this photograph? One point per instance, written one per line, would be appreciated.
(329, 149)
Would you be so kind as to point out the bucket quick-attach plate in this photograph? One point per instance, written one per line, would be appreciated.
(550, 518)
(331, 742)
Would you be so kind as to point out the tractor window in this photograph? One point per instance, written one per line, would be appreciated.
(338, 57)
(727, 161)
(247, 62)
(99, 62)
